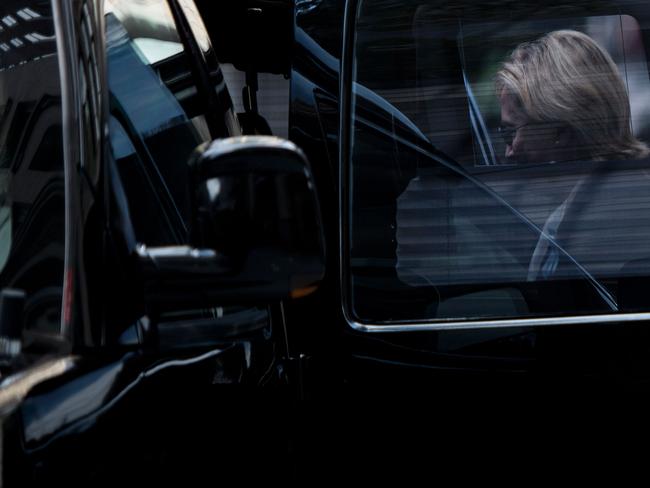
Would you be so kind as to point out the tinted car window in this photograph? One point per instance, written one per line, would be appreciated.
(499, 163)
(32, 203)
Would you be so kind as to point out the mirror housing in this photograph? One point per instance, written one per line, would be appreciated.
(256, 234)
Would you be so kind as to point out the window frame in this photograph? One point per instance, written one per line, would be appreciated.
(346, 102)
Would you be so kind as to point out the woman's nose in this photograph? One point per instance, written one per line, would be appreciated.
(509, 151)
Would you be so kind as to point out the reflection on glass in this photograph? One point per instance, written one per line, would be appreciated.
(5, 235)
(32, 191)
(158, 118)
(529, 193)
(196, 24)
(148, 113)
(150, 25)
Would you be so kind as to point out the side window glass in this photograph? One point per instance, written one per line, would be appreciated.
(32, 197)
(499, 163)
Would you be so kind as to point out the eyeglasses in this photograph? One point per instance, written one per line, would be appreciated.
(508, 133)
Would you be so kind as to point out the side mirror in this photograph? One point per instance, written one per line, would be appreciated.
(256, 235)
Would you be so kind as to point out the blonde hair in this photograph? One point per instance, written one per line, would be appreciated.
(566, 77)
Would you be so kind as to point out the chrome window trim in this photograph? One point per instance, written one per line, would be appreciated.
(346, 69)
(345, 116)
(470, 324)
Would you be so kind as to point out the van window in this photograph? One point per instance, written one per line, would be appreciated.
(499, 163)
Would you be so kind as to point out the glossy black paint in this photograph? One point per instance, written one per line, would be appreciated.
(100, 420)
(119, 394)
(32, 165)
(256, 229)
(315, 127)
(413, 404)
(269, 50)
(308, 398)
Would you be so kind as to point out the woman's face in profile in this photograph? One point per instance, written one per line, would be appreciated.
(526, 141)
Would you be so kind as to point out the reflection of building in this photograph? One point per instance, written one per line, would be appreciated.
(154, 34)
(25, 34)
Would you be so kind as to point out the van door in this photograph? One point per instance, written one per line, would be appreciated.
(457, 258)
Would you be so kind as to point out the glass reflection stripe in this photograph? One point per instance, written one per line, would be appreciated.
(42, 37)
(460, 324)
(14, 388)
(9, 21)
(28, 14)
(32, 13)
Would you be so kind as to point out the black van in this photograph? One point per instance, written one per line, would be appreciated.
(187, 298)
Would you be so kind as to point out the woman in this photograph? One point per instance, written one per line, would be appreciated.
(563, 100)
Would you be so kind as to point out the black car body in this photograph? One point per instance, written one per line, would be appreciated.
(113, 371)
